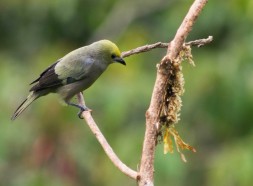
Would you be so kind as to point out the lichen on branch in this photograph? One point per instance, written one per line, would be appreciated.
(172, 103)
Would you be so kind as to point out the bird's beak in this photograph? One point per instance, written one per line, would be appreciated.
(119, 60)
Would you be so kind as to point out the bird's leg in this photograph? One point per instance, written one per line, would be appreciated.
(82, 108)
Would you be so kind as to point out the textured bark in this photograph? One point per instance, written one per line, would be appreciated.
(146, 174)
(152, 118)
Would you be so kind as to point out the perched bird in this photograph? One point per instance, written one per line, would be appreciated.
(73, 73)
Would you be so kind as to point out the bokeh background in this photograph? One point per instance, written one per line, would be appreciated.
(49, 146)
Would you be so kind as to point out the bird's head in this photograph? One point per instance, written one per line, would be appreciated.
(109, 51)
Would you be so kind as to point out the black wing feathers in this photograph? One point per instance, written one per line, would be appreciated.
(44, 72)
(47, 79)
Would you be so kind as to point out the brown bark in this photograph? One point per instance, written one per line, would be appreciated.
(153, 113)
(145, 177)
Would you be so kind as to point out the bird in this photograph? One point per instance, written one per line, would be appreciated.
(73, 73)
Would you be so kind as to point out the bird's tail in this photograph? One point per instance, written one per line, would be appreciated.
(30, 98)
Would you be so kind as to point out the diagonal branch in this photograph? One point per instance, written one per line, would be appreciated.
(101, 139)
(146, 174)
(163, 73)
(185, 28)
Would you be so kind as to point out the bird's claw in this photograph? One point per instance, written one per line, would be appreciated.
(81, 112)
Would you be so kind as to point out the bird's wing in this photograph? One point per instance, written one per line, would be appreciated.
(46, 71)
(64, 71)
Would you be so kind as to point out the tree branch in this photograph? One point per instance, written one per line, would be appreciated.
(101, 139)
(145, 176)
(147, 48)
(163, 73)
(185, 28)
(200, 42)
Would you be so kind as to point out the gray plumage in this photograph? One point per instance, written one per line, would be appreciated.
(73, 73)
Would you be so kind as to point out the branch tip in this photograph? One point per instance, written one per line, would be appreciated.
(149, 47)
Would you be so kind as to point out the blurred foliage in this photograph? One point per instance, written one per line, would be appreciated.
(49, 145)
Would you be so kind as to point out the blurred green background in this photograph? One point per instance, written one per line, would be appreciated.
(49, 146)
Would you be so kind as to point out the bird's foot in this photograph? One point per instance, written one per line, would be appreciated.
(82, 110)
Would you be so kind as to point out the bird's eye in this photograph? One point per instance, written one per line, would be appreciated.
(113, 56)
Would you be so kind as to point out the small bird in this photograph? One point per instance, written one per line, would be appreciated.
(73, 73)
